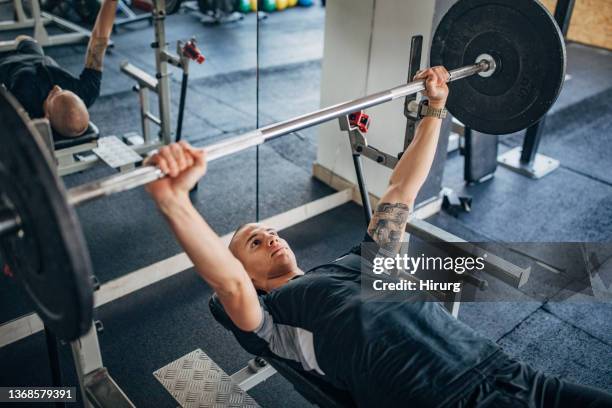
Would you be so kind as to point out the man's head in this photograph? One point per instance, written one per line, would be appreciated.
(264, 255)
(66, 112)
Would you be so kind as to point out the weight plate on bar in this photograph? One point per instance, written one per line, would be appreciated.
(48, 255)
(528, 49)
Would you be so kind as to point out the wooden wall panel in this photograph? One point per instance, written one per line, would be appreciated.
(591, 22)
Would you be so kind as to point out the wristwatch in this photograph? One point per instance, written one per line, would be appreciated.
(426, 110)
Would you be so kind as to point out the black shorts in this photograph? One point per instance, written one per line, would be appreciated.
(514, 384)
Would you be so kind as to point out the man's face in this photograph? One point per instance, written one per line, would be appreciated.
(263, 253)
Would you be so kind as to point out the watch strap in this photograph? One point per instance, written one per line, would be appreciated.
(426, 110)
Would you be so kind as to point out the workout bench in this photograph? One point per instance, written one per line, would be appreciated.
(79, 153)
(314, 389)
(67, 150)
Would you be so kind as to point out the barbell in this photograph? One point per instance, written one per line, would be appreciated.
(511, 79)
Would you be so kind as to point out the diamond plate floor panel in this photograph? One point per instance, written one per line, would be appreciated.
(196, 381)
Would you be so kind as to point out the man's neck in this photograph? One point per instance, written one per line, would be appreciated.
(279, 281)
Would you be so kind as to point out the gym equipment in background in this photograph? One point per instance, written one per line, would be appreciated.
(38, 20)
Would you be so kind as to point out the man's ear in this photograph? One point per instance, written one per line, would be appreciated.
(46, 104)
(45, 110)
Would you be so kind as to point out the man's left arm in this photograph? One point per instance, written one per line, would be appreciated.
(389, 220)
(100, 35)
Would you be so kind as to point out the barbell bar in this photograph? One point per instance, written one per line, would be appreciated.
(9, 222)
(147, 174)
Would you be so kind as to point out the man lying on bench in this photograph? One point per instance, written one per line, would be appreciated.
(45, 89)
(385, 354)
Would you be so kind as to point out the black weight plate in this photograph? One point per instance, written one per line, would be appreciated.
(172, 6)
(206, 6)
(50, 257)
(528, 47)
(87, 10)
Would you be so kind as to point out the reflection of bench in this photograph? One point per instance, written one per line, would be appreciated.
(66, 149)
(91, 135)
(80, 153)
(311, 387)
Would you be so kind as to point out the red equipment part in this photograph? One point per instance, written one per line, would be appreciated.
(361, 120)
(7, 271)
(191, 51)
(143, 5)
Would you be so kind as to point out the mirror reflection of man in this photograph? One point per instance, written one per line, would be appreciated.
(46, 90)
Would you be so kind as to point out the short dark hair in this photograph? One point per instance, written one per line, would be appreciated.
(237, 231)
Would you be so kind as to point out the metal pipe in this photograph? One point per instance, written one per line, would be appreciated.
(9, 222)
(161, 64)
(363, 190)
(152, 118)
(181, 111)
(146, 174)
(496, 266)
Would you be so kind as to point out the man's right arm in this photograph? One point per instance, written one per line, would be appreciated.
(389, 220)
(100, 34)
(210, 256)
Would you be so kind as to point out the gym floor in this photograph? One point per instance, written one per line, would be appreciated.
(154, 326)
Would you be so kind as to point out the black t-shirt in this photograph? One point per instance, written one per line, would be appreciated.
(384, 353)
(29, 75)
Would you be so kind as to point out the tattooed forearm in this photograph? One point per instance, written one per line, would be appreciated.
(95, 53)
(388, 225)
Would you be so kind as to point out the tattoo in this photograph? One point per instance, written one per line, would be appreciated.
(388, 225)
(95, 53)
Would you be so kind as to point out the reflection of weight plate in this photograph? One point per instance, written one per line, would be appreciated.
(212, 6)
(206, 6)
(57, 7)
(172, 6)
(87, 9)
(49, 255)
(243, 6)
(268, 5)
(529, 52)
